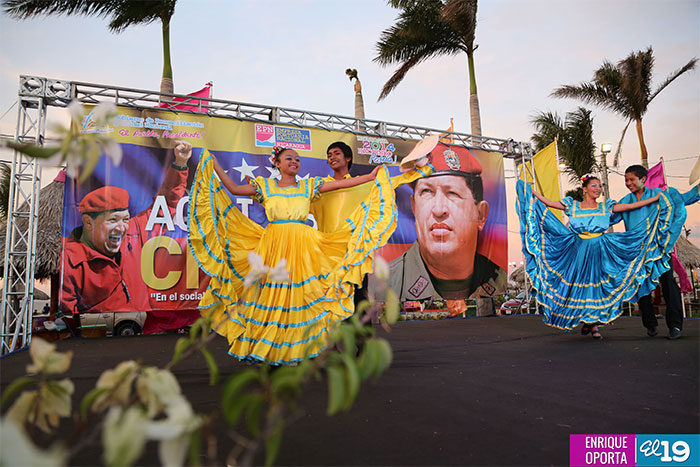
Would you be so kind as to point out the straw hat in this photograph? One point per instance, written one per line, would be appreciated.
(419, 151)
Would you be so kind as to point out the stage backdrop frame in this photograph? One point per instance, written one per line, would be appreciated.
(37, 94)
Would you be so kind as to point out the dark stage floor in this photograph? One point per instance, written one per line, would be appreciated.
(481, 391)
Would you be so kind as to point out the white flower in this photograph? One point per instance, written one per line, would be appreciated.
(45, 359)
(118, 381)
(76, 111)
(381, 268)
(112, 150)
(157, 389)
(44, 407)
(257, 269)
(174, 431)
(124, 435)
(104, 113)
(18, 449)
(279, 273)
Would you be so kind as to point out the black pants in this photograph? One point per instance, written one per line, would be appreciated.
(672, 296)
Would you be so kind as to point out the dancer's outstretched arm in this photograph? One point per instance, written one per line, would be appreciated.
(548, 202)
(238, 190)
(636, 205)
(349, 182)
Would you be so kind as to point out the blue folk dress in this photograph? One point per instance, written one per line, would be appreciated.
(581, 274)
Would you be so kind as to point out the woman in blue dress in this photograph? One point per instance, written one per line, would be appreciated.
(580, 273)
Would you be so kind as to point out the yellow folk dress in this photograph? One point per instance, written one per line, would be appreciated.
(281, 323)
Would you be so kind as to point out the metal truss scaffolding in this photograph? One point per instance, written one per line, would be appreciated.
(37, 94)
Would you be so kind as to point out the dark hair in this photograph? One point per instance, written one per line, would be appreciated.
(639, 170)
(347, 150)
(588, 180)
(277, 151)
(473, 182)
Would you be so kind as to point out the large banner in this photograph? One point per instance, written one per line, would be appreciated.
(125, 226)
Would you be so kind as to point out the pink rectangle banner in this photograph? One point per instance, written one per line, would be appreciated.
(601, 450)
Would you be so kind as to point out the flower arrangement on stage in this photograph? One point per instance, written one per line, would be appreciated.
(132, 404)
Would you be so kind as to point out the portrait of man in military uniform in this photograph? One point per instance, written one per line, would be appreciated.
(450, 212)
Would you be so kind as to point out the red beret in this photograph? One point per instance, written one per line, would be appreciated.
(107, 198)
(454, 160)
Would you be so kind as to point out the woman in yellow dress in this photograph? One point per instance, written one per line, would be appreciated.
(283, 322)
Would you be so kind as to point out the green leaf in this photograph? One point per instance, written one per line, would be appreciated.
(195, 328)
(213, 368)
(15, 387)
(369, 359)
(348, 334)
(352, 379)
(273, 443)
(385, 357)
(286, 381)
(37, 152)
(90, 399)
(336, 389)
(233, 409)
(180, 347)
(195, 448)
(230, 398)
(391, 306)
(252, 415)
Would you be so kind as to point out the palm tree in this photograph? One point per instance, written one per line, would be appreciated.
(122, 14)
(427, 29)
(574, 142)
(359, 101)
(625, 89)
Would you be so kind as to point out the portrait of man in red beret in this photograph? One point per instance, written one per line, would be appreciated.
(101, 258)
(450, 212)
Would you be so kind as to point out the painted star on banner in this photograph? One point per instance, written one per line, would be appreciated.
(274, 173)
(246, 170)
(305, 177)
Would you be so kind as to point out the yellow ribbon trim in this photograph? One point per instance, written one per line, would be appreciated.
(589, 235)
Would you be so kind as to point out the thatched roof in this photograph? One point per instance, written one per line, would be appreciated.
(48, 240)
(688, 254)
(518, 276)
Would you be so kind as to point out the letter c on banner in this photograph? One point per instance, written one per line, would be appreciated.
(148, 259)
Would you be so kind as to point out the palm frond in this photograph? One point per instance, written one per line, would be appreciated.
(687, 67)
(618, 151)
(635, 86)
(122, 13)
(5, 174)
(398, 76)
(461, 15)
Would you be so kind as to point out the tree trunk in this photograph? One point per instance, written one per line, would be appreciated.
(166, 82)
(359, 102)
(642, 146)
(475, 114)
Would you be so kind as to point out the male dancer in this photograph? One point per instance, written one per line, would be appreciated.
(635, 176)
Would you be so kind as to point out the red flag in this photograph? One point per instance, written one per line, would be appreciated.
(656, 177)
(190, 102)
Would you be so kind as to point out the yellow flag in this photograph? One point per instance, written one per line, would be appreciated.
(546, 172)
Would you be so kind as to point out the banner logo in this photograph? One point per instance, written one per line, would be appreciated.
(264, 135)
(379, 150)
(291, 138)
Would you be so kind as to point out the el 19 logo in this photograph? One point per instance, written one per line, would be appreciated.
(668, 450)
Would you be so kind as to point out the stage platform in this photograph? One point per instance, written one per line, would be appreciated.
(501, 390)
